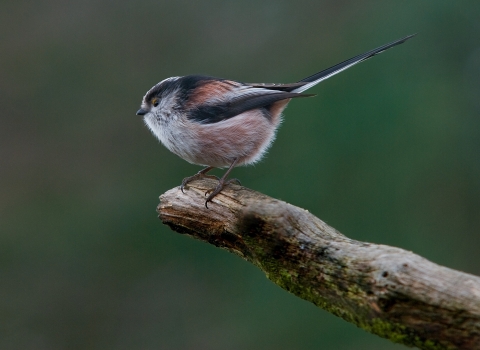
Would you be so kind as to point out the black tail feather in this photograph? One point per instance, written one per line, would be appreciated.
(356, 59)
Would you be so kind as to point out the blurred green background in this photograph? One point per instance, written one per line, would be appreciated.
(388, 152)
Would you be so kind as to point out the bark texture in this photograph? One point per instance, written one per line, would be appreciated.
(385, 290)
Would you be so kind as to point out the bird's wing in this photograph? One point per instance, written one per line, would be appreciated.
(234, 99)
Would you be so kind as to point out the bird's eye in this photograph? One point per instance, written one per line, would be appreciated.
(155, 102)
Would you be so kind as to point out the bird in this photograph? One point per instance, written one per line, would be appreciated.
(222, 123)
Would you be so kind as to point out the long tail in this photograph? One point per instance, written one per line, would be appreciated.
(330, 72)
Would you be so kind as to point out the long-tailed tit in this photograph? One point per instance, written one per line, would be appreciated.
(221, 123)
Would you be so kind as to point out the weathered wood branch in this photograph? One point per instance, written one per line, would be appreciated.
(385, 290)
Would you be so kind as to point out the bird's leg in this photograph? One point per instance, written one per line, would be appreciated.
(202, 173)
(221, 184)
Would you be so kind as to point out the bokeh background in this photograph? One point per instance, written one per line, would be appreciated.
(388, 152)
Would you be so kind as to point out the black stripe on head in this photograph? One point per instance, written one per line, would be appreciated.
(161, 89)
(185, 85)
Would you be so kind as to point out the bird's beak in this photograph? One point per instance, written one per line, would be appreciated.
(142, 111)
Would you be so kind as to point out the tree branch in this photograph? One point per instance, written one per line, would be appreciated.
(385, 290)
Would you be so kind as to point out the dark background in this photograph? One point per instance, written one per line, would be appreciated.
(388, 152)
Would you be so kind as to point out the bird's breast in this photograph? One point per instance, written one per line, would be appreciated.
(245, 137)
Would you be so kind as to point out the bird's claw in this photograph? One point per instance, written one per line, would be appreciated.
(214, 191)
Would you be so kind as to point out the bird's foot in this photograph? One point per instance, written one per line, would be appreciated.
(221, 184)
